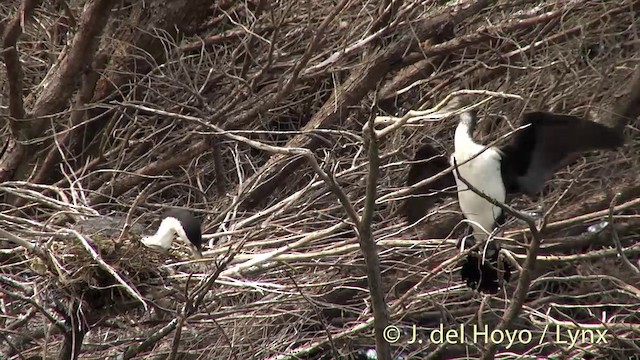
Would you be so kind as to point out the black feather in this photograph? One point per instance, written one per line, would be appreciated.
(189, 223)
(539, 150)
(426, 196)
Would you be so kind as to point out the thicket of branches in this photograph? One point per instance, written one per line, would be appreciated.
(252, 115)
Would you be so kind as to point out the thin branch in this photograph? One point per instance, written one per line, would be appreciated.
(285, 89)
(104, 266)
(117, 188)
(19, 241)
(579, 219)
(38, 307)
(14, 67)
(151, 340)
(616, 238)
(307, 154)
(14, 151)
(444, 109)
(60, 85)
(368, 249)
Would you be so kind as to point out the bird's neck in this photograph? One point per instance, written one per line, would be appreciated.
(463, 137)
(164, 236)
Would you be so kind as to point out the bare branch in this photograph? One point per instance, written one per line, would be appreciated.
(370, 252)
(60, 86)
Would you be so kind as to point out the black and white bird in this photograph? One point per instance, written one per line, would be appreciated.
(535, 153)
(178, 222)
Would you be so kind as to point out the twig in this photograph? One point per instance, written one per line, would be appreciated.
(14, 67)
(545, 218)
(445, 108)
(616, 238)
(38, 307)
(96, 257)
(60, 85)
(285, 89)
(20, 241)
(117, 188)
(310, 348)
(485, 33)
(580, 219)
(259, 259)
(369, 322)
(368, 249)
(198, 294)
(133, 350)
(306, 153)
(592, 255)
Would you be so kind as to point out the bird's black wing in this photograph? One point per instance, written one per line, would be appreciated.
(190, 224)
(427, 162)
(539, 150)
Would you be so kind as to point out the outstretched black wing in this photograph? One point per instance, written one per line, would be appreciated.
(539, 150)
(431, 162)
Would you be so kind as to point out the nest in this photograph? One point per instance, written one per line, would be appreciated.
(75, 274)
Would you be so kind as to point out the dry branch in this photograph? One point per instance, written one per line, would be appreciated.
(87, 87)
(96, 257)
(14, 150)
(370, 251)
(58, 88)
(285, 88)
(361, 82)
(117, 188)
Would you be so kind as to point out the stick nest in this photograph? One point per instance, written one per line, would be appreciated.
(76, 274)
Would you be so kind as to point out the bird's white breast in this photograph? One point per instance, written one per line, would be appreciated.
(483, 173)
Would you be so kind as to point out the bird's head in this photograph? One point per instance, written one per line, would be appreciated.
(184, 224)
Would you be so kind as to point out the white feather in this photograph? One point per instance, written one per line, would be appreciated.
(483, 173)
(164, 236)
